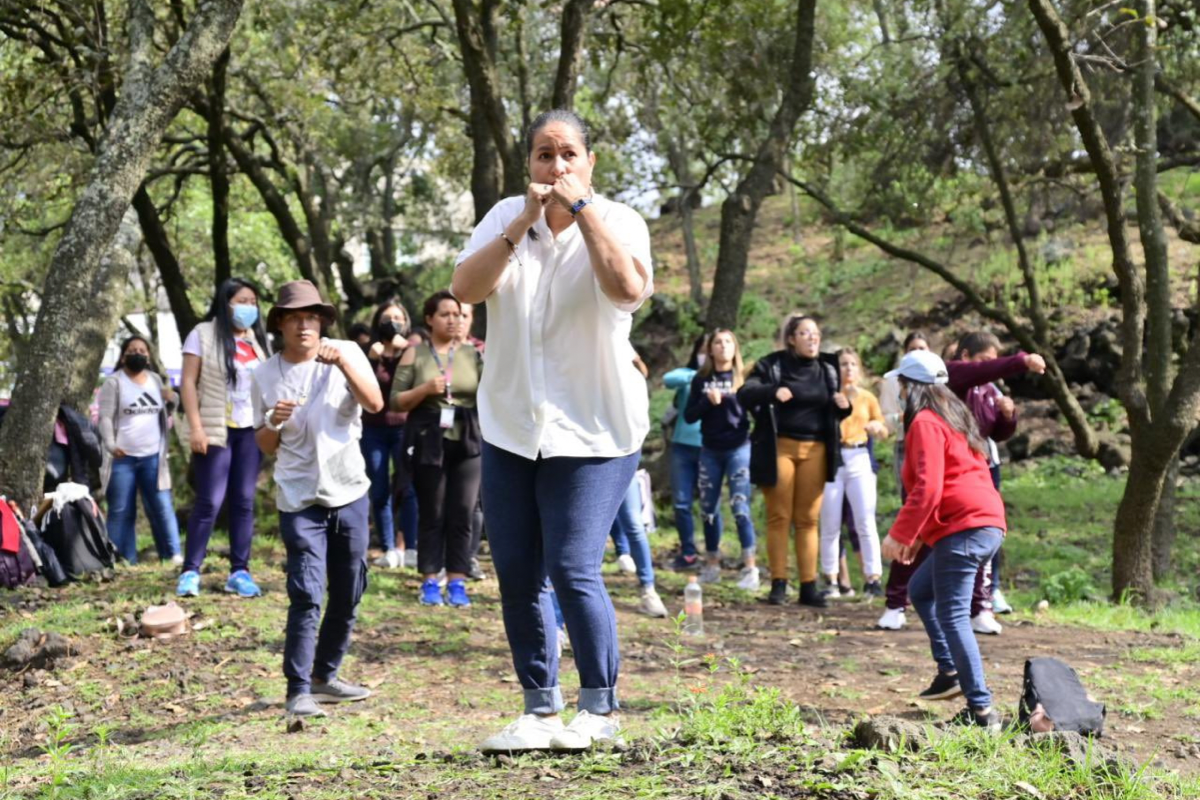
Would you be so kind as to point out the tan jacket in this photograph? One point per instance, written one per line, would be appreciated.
(110, 408)
(212, 388)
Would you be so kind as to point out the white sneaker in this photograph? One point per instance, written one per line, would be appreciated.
(892, 619)
(651, 604)
(985, 622)
(410, 558)
(441, 578)
(177, 559)
(833, 592)
(1000, 603)
(392, 559)
(710, 573)
(625, 564)
(749, 579)
(528, 732)
(585, 730)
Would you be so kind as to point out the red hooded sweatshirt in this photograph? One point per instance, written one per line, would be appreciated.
(948, 484)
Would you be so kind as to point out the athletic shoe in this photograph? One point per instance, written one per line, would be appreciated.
(584, 731)
(833, 591)
(873, 589)
(303, 705)
(476, 572)
(778, 595)
(338, 691)
(810, 595)
(189, 584)
(651, 604)
(625, 564)
(892, 619)
(456, 593)
(431, 593)
(392, 559)
(749, 579)
(528, 732)
(710, 573)
(441, 578)
(1000, 603)
(241, 584)
(684, 563)
(847, 591)
(989, 720)
(985, 622)
(410, 558)
(177, 560)
(943, 687)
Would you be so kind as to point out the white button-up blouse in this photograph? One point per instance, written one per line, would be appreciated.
(559, 378)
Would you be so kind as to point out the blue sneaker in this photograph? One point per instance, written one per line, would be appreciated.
(431, 593)
(189, 584)
(241, 584)
(456, 593)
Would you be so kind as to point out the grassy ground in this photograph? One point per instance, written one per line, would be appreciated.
(758, 707)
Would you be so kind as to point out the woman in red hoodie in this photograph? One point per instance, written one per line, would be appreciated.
(953, 508)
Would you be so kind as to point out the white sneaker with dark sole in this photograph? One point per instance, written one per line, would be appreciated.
(527, 732)
(585, 730)
(985, 622)
(892, 620)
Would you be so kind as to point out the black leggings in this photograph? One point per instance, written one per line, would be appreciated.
(446, 497)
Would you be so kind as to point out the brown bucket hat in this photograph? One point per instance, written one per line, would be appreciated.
(299, 294)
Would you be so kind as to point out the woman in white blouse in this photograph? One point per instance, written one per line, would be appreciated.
(562, 270)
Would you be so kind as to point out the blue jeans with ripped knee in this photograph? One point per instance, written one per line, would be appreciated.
(716, 468)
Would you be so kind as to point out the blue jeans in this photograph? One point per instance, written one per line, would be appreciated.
(685, 472)
(550, 518)
(629, 528)
(717, 467)
(381, 444)
(940, 590)
(322, 543)
(131, 475)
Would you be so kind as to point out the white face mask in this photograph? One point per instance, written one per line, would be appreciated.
(700, 359)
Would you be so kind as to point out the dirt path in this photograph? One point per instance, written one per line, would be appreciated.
(443, 678)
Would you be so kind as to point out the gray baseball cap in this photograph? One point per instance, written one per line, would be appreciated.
(921, 366)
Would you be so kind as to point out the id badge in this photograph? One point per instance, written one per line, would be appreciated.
(447, 419)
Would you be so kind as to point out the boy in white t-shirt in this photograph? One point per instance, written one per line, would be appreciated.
(308, 401)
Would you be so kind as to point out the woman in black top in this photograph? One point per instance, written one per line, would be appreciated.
(724, 453)
(795, 396)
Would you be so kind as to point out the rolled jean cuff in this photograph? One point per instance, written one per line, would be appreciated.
(598, 701)
(543, 701)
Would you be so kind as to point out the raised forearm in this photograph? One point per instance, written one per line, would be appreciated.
(479, 275)
(621, 277)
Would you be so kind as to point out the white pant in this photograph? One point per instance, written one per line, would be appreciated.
(855, 481)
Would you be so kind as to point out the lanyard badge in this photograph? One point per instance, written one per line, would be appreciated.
(447, 416)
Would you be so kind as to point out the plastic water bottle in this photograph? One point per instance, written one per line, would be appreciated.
(693, 608)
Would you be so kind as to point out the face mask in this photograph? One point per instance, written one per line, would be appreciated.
(244, 316)
(136, 362)
(389, 329)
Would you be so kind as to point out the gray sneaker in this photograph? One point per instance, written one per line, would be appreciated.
(338, 691)
(303, 705)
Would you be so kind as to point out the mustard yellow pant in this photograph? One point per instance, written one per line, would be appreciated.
(795, 500)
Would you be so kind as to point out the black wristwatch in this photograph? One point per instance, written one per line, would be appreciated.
(578, 205)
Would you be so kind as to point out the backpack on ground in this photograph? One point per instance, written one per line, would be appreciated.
(1054, 699)
(45, 560)
(79, 538)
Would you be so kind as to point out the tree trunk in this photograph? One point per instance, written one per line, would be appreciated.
(150, 98)
(97, 328)
(680, 162)
(1133, 531)
(155, 236)
(574, 17)
(217, 174)
(740, 209)
(485, 165)
(1163, 539)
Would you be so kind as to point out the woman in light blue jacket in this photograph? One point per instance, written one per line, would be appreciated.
(685, 456)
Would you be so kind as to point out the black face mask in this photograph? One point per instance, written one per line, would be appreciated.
(136, 362)
(389, 329)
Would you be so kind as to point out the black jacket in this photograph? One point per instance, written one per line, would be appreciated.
(757, 395)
